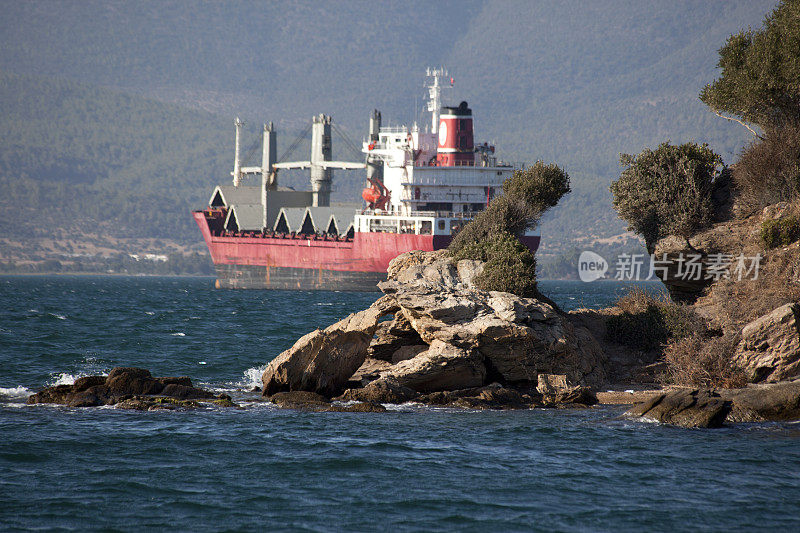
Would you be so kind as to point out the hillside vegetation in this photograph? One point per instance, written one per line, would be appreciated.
(575, 83)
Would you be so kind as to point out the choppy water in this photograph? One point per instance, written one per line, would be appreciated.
(264, 469)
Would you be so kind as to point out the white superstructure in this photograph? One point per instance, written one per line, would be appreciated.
(435, 180)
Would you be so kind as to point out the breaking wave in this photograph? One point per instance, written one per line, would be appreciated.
(15, 392)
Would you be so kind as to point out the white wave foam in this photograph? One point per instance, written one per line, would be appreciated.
(151, 313)
(56, 315)
(179, 334)
(324, 303)
(251, 377)
(65, 378)
(15, 392)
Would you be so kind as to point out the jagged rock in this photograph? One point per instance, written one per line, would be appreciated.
(370, 370)
(557, 391)
(300, 400)
(441, 367)
(445, 335)
(391, 336)
(761, 402)
(551, 383)
(468, 270)
(686, 408)
(380, 391)
(323, 360)
(122, 384)
(408, 352)
(770, 346)
(426, 268)
(520, 337)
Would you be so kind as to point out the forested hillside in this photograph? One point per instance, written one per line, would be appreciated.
(82, 159)
(565, 82)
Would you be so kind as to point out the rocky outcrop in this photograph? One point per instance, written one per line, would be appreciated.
(686, 408)
(518, 338)
(764, 402)
(132, 388)
(770, 346)
(711, 408)
(444, 335)
(323, 360)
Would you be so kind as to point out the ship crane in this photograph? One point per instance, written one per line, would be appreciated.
(320, 163)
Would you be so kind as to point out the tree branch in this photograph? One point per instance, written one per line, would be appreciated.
(740, 122)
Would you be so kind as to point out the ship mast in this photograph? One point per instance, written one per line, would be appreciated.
(435, 94)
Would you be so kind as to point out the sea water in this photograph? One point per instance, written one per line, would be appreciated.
(260, 468)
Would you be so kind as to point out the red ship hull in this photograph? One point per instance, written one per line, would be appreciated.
(256, 261)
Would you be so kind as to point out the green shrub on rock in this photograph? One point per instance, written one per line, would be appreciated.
(493, 235)
(528, 193)
(510, 265)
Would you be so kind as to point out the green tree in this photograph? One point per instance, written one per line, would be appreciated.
(760, 72)
(667, 191)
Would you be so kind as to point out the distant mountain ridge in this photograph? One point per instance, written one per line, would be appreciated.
(571, 83)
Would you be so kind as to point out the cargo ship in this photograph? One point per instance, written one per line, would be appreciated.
(423, 184)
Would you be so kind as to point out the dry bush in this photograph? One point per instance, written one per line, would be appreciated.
(648, 322)
(701, 361)
(768, 171)
(741, 301)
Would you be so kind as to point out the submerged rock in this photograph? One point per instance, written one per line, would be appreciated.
(361, 407)
(132, 387)
(300, 400)
(380, 391)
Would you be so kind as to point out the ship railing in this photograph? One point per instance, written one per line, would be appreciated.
(421, 214)
(475, 164)
(256, 234)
